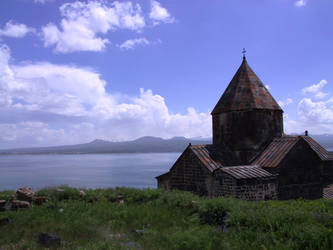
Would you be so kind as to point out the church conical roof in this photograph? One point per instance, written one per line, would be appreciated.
(245, 92)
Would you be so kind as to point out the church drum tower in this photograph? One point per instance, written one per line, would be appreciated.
(246, 117)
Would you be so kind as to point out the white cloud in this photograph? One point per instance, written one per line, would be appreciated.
(315, 112)
(6, 76)
(62, 104)
(84, 23)
(315, 90)
(59, 89)
(158, 14)
(315, 87)
(73, 38)
(312, 115)
(300, 3)
(129, 15)
(51, 35)
(285, 102)
(316, 117)
(267, 87)
(132, 43)
(321, 95)
(34, 132)
(42, 1)
(17, 30)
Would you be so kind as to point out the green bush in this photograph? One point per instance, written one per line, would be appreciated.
(7, 195)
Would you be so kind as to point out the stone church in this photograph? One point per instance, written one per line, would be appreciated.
(251, 157)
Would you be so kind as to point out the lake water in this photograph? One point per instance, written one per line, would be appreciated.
(84, 171)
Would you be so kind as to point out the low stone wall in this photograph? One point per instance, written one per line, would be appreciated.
(254, 189)
(247, 189)
(223, 185)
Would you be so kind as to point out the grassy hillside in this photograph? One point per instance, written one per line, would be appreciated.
(126, 218)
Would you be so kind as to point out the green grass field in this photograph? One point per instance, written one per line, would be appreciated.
(125, 218)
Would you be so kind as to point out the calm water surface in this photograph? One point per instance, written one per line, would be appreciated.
(85, 171)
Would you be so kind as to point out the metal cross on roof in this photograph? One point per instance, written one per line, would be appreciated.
(244, 52)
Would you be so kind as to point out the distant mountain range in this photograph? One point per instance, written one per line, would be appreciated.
(147, 144)
(326, 140)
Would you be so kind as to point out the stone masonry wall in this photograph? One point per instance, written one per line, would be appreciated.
(224, 185)
(247, 130)
(257, 189)
(188, 174)
(248, 189)
(300, 174)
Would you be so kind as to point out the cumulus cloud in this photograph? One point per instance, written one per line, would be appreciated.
(58, 89)
(16, 30)
(159, 14)
(285, 102)
(316, 117)
(315, 112)
(132, 43)
(315, 90)
(300, 3)
(63, 104)
(313, 115)
(315, 87)
(84, 23)
(35, 133)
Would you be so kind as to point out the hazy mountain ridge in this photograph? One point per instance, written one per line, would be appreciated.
(326, 140)
(146, 144)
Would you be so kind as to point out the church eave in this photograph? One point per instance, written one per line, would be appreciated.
(215, 112)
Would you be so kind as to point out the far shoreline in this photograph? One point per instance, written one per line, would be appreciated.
(97, 153)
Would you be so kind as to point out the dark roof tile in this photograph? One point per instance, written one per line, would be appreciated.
(247, 172)
(323, 154)
(245, 92)
(277, 150)
(214, 158)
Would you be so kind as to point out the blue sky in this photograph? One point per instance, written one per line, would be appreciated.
(74, 71)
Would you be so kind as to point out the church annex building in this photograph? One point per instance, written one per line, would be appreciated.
(251, 157)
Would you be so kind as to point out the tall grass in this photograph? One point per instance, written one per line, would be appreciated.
(125, 218)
